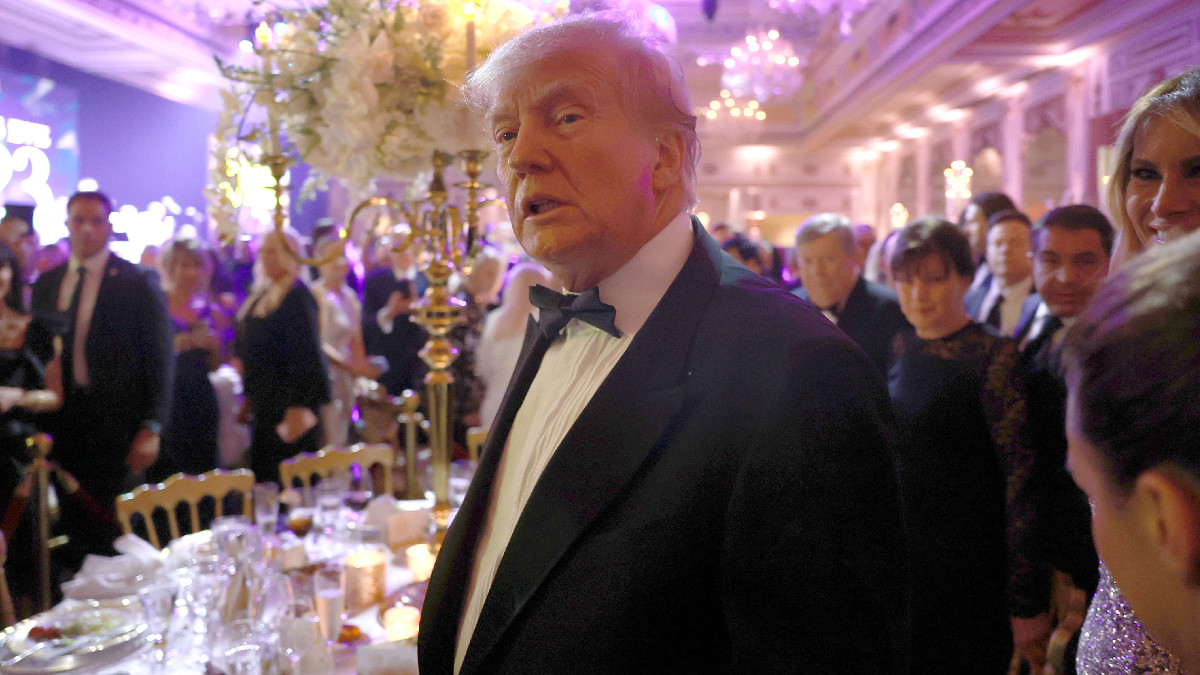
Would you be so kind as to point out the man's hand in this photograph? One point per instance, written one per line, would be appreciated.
(399, 303)
(1031, 636)
(143, 451)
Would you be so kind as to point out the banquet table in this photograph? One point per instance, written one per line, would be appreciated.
(386, 658)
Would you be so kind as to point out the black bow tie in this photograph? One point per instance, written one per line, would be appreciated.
(557, 309)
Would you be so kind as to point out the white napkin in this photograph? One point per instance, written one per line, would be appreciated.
(402, 522)
(389, 658)
(103, 577)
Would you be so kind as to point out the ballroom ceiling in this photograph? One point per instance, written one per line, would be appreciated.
(163, 47)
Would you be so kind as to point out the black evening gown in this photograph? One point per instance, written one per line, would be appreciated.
(964, 476)
(189, 441)
(284, 367)
(20, 369)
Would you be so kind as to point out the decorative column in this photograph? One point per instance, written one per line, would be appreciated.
(924, 157)
(1079, 147)
(1012, 150)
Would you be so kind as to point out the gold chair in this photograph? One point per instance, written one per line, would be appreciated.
(304, 466)
(475, 438)
(167, 495)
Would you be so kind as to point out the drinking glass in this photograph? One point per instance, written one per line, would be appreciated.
(329, 600)
(158, 604)
(266, 507)
(360, 489)
(239, 652)
(299, 631)
(329, 493)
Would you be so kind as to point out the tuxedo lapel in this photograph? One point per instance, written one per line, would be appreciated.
(451, 575)
(618, 429)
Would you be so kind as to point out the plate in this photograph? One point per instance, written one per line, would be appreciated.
(96, 632)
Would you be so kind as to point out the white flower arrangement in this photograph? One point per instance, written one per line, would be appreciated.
(360, 89)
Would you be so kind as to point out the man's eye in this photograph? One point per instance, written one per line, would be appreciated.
(570, 118)
(505, 136)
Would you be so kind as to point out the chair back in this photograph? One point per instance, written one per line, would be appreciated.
(181, 487)
(304, 466)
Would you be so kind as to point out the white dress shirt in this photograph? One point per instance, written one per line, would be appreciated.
(571, 372)
(94, 267)
(1014, 298)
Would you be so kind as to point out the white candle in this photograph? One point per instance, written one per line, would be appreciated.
(469, 11)
(420, 561)
(401, 622)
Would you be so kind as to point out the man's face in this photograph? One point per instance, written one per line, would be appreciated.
(87, 223)
(1068, 268)
(827, 271)
(578, 171)
(975, 227)
(1008, 251)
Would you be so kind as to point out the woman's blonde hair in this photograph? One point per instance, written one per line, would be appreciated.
(1176, 100)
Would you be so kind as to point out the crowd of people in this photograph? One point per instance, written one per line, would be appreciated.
(897, 464)
(119, 362)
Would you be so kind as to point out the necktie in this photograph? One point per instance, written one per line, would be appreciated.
(993, 318)
(557, 309)
(73, 353)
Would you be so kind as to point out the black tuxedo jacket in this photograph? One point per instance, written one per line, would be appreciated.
(726, 502)
(129, 344)
(973, 300)
(406, 370)
(872, 318)
(1062, 506)
(130, 361)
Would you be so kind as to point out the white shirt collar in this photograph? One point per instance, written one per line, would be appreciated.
(640, 284)
(94, 264)
(1021, 289)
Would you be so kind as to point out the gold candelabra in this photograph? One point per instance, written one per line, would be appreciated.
(446, 243)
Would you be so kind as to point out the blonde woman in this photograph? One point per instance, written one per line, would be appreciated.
(283, 368)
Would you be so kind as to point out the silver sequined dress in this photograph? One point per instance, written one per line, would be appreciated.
(1112, 640)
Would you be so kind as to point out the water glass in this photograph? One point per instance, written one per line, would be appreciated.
(239, 650)
(299, 631)
(329, 600)
(158, 605)
(266, 507)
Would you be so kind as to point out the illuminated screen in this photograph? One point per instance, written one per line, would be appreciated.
(39, 148)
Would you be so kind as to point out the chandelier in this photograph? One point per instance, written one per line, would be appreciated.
(763, 67)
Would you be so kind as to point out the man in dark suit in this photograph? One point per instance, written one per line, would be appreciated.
(869, 313)
(998, 303)
(388, 328)
(689, 471)
(116, 358)
(1071, 249)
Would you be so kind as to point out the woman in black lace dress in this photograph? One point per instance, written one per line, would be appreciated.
(964, 466)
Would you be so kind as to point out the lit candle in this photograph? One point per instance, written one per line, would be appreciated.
(365, 576)
(401, 622)
(420, 561)
(469, 11)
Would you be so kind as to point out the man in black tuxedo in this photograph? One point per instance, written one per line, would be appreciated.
(1071, 249)
(689, 471)
(826, 256)
(388, 328)
(998, 304)
(117, 360)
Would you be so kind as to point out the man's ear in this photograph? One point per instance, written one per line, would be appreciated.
(668, 166)
(1172, 509)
